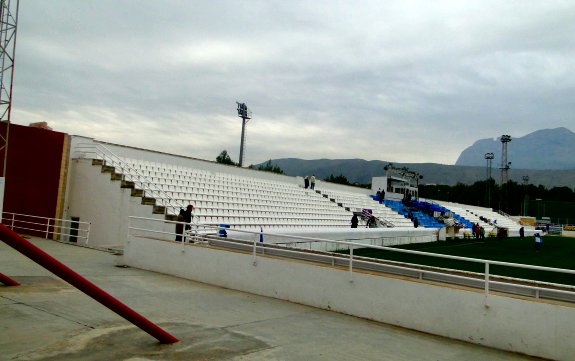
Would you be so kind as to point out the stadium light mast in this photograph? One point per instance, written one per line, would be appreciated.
(505, 165)
(505, 139)
(246, 115)
(489, 158)
(525, 195)
(8, 26)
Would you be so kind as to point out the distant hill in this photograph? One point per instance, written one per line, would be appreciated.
(361, 171)
(542, 149)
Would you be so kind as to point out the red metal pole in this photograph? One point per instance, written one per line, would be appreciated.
(59, 269)
(7, 281)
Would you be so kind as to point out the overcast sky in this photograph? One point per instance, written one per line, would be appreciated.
(404, 81)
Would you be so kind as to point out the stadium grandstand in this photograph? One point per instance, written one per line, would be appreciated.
(266, 234)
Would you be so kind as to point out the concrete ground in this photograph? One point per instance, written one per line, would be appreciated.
(47, 319)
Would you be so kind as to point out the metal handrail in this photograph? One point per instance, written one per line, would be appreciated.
(382, 220)
(48, 227)
(486, 275)
(150, 188)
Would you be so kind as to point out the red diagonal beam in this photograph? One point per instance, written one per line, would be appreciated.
(7, 281)
(67, 274)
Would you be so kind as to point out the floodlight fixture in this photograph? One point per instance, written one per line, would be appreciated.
(243, 111)
(505, 138)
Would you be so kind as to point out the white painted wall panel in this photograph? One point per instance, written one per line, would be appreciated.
(526, 326)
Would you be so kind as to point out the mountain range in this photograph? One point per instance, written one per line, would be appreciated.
(361, 171)
(542, 149)
(545, 156)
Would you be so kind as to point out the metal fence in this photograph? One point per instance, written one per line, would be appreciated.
(70, 230)
(486, 281)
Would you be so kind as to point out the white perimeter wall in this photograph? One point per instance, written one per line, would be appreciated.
(526, 326)
(370, 236)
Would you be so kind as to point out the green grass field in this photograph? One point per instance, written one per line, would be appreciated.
(557, 252)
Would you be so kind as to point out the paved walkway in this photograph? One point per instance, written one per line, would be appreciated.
(47, 319)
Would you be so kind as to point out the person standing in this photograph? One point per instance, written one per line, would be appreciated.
(371, 223)
(538, 242)
(382, 196)
(312, 182)
(180, 226)
(306, 182)
(354, 221)
(188, 216)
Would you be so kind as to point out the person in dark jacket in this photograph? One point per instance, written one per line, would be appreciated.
(371, 222)
(354, 221)
(180, 226)
(188, 216)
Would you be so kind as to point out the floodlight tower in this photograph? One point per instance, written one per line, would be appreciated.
(489, 158)
(8, 26)
(525, 196)
(504, 163)
(246, 115)
(504, 172)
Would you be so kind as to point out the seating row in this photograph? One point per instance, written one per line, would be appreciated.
(241, 201)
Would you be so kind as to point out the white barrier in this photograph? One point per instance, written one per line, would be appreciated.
(506, 322)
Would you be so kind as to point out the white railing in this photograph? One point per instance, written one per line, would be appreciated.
(150, 188)
(352, 262)
(515, 221)
(46, 226)
(195, 231)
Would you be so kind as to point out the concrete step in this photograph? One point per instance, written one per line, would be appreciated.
(117, 176)
(149, 201)
(108, 169)
(159, 210)
(137, 192)
(127, 184)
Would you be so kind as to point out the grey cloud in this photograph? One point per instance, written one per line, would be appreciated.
(432, 75)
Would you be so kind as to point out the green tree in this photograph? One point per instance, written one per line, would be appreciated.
(268, 167)
(340, 179)
(224, 158)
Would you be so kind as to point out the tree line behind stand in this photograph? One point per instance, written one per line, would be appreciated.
(224, 158)
(558, 203)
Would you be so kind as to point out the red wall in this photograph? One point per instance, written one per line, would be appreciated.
(33, 170)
